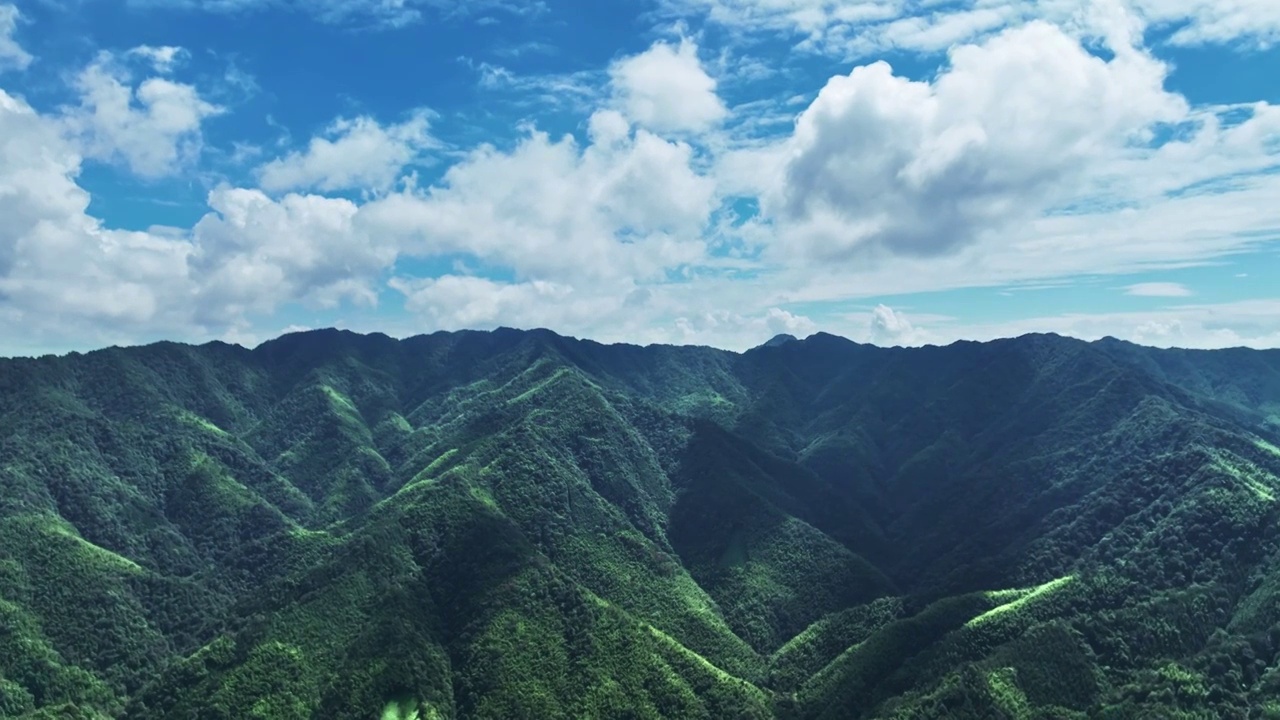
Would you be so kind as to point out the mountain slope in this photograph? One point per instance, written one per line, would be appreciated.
(518, 524)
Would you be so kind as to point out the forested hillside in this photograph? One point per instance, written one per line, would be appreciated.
(520, 525)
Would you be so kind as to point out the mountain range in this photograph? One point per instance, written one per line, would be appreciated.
(516, 524)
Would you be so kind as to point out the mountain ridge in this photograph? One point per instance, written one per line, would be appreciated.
(518, 524)
(783, 338)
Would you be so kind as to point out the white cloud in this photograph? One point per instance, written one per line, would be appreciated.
(666, 89)
(576, 91)
(607, 128)
(865, 28)
(581, 225)
(1174, 233)
(153, 129)
(738, 330)
(12, 56)
(1201, 22)
(1009, 129)
(361, 13)
(1218, 150)
(779, 321)
(61, 272)
(253, 253)
(1251, 323)
(1158, 289)
(362, 154)
(163, 58)
(65, 279)
(629, 206)
(454, 302)
(889, 327)
(1026, 159)
(801, 16)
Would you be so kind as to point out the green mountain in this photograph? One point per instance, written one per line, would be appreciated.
(521, 525)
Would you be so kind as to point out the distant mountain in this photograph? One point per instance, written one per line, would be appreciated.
(780, 339)
(515, 524)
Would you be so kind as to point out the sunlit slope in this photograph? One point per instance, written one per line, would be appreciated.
(528, 553)
(517, 524)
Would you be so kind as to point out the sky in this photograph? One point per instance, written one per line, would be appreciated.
(709, 172)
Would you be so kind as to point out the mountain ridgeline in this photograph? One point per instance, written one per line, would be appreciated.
(516, 524)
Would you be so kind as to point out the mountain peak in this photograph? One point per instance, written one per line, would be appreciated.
(780, 339)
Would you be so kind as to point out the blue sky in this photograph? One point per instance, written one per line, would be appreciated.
(681, 171)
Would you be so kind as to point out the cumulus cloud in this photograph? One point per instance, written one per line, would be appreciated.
(153, 129)
(65, 277)
(1007, 130)
(1158, 289)
(626, 206)
(252, 253)
(1026, 157)
(666, 89)
(58, 265)
(889, 327)
(356, 154)
(454, 302)
(579, 224)
(740, 329)
(163, 59)
(780, 321)
(12, 56)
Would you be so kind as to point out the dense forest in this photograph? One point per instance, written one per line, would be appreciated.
(516, 524)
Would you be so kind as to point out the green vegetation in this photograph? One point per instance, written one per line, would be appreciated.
(1014, 600)
(520, 525)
